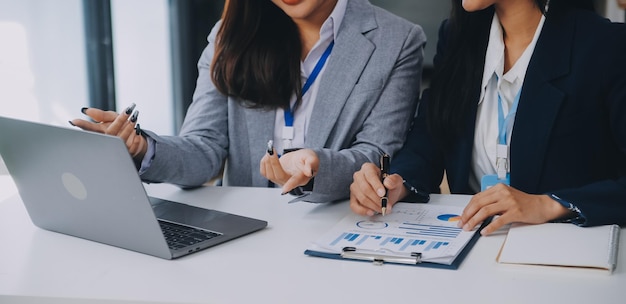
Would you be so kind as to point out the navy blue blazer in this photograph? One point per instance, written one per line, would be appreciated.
(569, 135)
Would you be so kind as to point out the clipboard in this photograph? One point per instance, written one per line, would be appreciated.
(380, 259)
(387, 256)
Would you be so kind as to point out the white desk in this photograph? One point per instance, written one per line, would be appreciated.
(37, 266)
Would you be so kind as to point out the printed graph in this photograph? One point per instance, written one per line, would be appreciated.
(399, 244)
(428, 229)
(449, 217)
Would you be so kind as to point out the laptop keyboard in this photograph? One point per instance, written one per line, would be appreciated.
(179, 236)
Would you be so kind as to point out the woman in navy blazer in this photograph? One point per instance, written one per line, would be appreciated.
(567, 147)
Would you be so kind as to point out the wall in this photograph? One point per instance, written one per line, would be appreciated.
(141, 47)
(43, 68)
(427, 13)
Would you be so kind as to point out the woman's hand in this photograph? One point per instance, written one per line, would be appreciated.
(123, 125)
(292, 169)
(367, 190)
(511, 205)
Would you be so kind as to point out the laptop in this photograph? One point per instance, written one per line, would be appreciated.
(85, 184)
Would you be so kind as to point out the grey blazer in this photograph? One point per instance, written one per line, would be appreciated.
(366, 101)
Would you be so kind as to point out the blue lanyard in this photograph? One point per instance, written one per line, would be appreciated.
(316, 70)
(504, 122)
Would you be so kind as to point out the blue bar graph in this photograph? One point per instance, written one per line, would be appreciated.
(396, 240)
(337, 240)
(359, 238)
(435, 245)
(387, 240)
(363, 239)
(401, 244)
(352, 236)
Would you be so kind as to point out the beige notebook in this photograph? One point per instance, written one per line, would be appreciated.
(561, 244)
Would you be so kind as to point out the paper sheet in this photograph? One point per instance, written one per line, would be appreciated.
(561, 244)
(428, 229)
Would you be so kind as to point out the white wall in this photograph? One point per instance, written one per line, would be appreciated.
(42, 60)
(43, 67)
(142, 54)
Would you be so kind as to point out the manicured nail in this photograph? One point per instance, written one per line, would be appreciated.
(133, 118)
(130, 109)
(137, 129)
(71, 123)
(84, 110)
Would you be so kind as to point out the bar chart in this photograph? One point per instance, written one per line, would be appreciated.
(431, 231)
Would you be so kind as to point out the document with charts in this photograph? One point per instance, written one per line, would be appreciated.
(428, 229)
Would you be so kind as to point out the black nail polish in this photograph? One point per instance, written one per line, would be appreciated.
(133, 118)
(130, 109)
(84, 110)
(297, 191)
(137, 129)
(71, 123)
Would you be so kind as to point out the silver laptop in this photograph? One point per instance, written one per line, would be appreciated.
(85, 184)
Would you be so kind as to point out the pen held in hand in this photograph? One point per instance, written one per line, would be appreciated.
(270, 147)
(384, 172)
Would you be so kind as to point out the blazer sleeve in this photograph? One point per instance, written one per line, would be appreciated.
(604, 202)
(420, 162)
(197, 154)
(385, 128)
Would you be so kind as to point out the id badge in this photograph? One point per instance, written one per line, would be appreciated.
(491, 180)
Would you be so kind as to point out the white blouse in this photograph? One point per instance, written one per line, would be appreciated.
(302, 115)
(494, 82)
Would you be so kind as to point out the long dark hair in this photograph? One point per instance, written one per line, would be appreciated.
(462, 66)
(257, 55)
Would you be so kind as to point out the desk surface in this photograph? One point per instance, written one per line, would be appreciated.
(269, 266)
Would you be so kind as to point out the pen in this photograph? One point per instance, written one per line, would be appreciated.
(384, 172)
(270, 147)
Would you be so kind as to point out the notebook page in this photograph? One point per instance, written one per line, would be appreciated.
(561, 244)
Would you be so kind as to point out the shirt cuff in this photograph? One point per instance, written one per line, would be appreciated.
(147, 159)
(578, 218)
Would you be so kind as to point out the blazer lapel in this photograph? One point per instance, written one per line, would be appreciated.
(540, 102)
(348, 59)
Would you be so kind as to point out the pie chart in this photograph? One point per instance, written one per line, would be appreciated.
(449, 217)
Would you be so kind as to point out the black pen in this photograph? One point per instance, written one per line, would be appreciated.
(384, 172)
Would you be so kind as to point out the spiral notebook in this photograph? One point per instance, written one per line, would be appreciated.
(561, 244)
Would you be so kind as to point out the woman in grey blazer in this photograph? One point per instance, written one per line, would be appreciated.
(363, 65)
